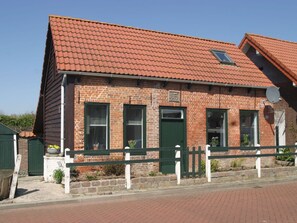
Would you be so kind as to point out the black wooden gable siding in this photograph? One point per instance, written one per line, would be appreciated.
(52, 101)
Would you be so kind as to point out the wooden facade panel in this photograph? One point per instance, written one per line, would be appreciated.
(52, 100)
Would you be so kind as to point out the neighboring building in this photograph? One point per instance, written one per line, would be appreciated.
(109, 84)
(278, 61)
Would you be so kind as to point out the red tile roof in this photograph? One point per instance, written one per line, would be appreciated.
(280, 53)
(88, 46)
(26, 134)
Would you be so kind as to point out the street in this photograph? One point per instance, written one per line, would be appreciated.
(253, 203)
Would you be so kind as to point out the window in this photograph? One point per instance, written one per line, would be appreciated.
(134, 126)
(96, 126)
(172, 114)
(222, 56)
(249, 128)
(216, 127)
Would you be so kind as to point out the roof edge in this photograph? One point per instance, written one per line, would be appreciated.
(10, 129)
(142, 29)
(278, 64)
(272, 38)
(110, 75)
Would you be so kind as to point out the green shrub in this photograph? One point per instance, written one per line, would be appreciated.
(288, 158)
(90, 177)
(74, 172)
(58, 175)
(153, 173)
(114, 169)
(214, 166)
(236, 163)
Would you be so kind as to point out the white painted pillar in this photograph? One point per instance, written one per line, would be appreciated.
(258, 161)
(67, 172)
(177, 164)
(295, 155)
(127, 168)
(15, 148)
(207, 163)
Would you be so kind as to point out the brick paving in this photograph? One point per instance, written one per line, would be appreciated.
(253, 203)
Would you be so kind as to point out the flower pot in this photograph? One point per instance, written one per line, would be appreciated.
(59, 181)
(53, 151)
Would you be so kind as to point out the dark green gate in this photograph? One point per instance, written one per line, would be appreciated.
(7, 148)
(35, 157)
(6, 152)
(172, 133)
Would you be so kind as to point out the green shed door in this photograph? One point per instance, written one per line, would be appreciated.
(6, 152)
(35, 157)
(172, 133)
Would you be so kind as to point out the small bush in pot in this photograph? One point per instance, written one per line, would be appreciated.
(58, 175)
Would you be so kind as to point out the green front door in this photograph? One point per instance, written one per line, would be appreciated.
(172, 133)
(35, 157)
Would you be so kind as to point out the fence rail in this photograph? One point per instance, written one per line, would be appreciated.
(257, 155)
(127, 161)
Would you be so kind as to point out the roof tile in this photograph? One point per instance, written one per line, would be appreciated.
(89, 46)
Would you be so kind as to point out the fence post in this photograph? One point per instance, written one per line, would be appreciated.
(193, 162)
(207, 163)
(177, 164)
(258, 161)
(199, 161)
(295, 152)
(127, 168)
(187, 155)
(67, 172)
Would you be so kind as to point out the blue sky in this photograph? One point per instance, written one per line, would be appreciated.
(24, 26)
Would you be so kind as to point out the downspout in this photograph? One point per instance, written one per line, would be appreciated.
(62, 113)
(15, 148)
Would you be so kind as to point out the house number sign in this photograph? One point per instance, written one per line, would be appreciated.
(174, 96)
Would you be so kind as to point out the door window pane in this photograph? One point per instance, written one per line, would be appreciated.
(172, 114)
(216, 127)
(96, 127)
(134, 126)
(248, 128)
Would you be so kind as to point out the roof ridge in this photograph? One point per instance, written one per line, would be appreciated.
(147, 30)
(268, 37)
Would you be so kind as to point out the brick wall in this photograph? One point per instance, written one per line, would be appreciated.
(23, 150)
(152, 94)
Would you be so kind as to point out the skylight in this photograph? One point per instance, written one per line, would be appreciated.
(222, 56)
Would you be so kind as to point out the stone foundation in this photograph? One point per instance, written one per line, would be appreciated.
(109, 186)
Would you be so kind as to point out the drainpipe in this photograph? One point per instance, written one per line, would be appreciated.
(15, 148)
(62, 113)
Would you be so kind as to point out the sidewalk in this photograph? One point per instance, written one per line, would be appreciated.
(34, 190)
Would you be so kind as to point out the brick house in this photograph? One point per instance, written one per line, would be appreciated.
(277, 60)
(104, 85)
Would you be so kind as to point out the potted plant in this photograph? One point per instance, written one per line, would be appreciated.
(53, 149)
(246, 141)
(132, 144)
(214, 141)
(58, 175)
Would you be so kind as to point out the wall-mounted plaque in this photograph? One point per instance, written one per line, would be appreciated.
(174, 96)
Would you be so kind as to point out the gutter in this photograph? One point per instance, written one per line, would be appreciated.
(62, 112)
(125, 76)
